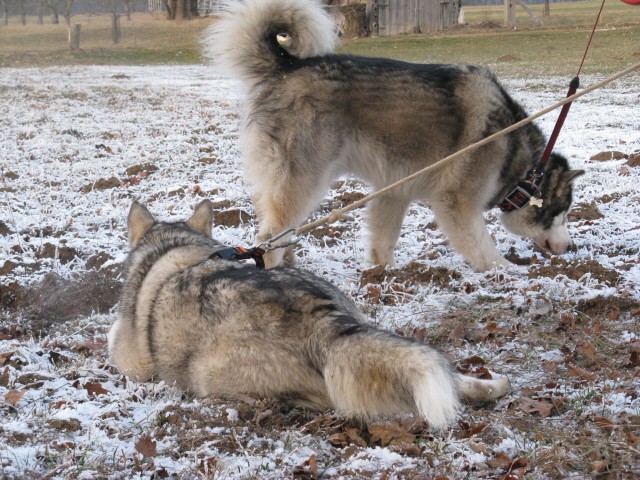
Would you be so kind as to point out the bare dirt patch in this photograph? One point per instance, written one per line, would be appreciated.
(609, 308)
(388, 285)
(56, 300)
(411, 274)
(4, 229)
(329, 234)
(575, 270)
(608, 156)
(101, 184)
(232, 218)
(585, 211)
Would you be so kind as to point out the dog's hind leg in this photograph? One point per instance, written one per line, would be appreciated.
(385, 215)
(478, 390)
(284, 200)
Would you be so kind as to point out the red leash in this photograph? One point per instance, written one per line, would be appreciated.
(573, 87)
(528, 186)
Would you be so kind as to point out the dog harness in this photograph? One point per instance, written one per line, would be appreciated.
(239, 253)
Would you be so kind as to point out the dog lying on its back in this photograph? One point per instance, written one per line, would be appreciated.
(311, 116)
(223, 328)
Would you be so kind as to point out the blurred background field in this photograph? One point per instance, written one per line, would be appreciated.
(531, 48)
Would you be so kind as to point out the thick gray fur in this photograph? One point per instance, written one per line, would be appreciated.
(223, 328)
(312, 116)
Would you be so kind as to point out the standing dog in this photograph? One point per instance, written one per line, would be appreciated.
(222, 328)
(312, 116)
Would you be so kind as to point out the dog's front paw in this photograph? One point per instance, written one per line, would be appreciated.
(381, 258)
(486, 265)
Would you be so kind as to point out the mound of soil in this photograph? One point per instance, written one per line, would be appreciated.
(575, 270)
(232, 218)
(585, 211)
(609, 307)
(608, 155)
(329, 234)
(55, 299)
(411, 274)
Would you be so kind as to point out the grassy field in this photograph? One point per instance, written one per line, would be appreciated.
(146, 39)
(553, 48)
(548, 49)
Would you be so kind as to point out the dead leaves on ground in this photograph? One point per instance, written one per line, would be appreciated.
(14, 396)
(400, 435)
(145, 446)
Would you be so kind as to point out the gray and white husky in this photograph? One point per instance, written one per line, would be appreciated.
(312, 116)
(223, 328)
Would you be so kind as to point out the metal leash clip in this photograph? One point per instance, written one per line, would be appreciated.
(267, 245)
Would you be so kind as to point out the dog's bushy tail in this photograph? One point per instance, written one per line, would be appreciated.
(372, 374)
(245, 38)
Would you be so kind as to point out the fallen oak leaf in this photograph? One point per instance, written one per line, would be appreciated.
(14, 396)
(89, 347)
(604, 423)
(634, 358)
(146, 446)
(501, 460)
(471, 430)
(94, 389)
(510, 476)
(353, 434)
(4, 377)
(542, 407)
(62, 445)
(338, 440)
(308, 469)
(207, 466)
(474, 360)
(575, 371)
(406, 449)
(390, 432)
(5, 357)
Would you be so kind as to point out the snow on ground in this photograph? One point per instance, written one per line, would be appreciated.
(70, 134)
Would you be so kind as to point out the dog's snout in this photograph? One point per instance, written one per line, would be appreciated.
(556, 248)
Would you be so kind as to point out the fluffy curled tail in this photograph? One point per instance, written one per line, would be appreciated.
(253, 38)
(375, 374)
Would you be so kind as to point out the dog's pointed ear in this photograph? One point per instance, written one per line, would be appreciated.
(202, 219)
(570, 175)
(139, 222)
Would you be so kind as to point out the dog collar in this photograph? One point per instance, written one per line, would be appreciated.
(525, 191)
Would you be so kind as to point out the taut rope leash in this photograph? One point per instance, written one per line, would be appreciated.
(336, 214)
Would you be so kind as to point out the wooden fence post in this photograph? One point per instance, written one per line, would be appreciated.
(75, 37)
(509, 14)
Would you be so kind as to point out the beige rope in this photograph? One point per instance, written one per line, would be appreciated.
(337, 213)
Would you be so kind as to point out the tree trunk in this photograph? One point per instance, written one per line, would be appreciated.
(54, 18)
(115, 28)
(546, 12)
(40, 13)
(179, 16)
(23, 14)
(171, 9)
(5, 14)
(127, 9)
